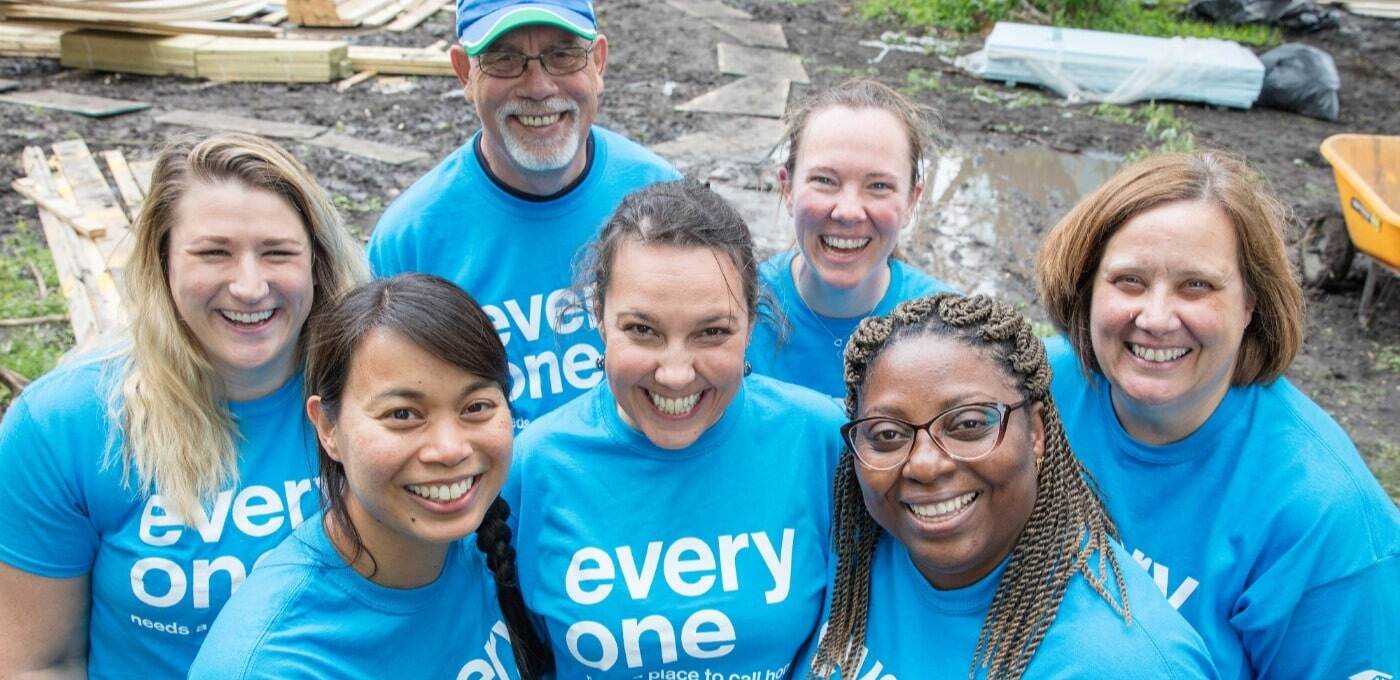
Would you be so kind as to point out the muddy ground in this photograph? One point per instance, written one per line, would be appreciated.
(660, 57)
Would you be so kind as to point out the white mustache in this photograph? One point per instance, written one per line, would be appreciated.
(547, 107)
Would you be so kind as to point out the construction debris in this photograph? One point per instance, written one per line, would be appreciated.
(83, 104)
(227, 123)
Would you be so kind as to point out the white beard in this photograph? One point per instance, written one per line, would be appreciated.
(540, 155)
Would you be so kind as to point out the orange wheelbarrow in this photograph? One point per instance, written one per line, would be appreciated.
(1367, 168)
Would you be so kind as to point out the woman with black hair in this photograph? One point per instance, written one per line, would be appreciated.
(407, 382)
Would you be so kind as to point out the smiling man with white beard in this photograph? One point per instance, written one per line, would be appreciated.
(504, 214)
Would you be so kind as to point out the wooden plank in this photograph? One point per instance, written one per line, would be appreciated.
(62, 244)
(61, 208)
(220, 121)
(130, 191)
(387, 14)
(151, 11)
(400, 61)
(82, 104)
(255, 60)
(142, 171)
(273, 18)
(386, 153)
(92, 194)
(6, 85)
(411, 19)
(18, 40)
(315, 13)
(354, 80)
(217, 28)
(152, 55)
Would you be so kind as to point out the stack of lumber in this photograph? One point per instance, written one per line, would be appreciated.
(292, 61)
(23, 40)
(402, 61)
(129, 10)
(152, 55)
(87, 230)
(202, 56)
(1119, 67)
(343, 13)
(1387, 9)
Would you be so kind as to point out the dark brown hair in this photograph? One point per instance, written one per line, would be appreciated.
(1068, 524)
(1069, 258)
(444, 321)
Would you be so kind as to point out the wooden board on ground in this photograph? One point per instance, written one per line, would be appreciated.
(132, 194)
(82, 104)
(386, 153)
(142, 170)
(217, 28)
(220, 121)
(6, 85)
(152, 55)
(400, 61)
(61, 208)
(387, 13)
(92, 194)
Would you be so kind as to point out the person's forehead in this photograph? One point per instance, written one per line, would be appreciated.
(535, 36)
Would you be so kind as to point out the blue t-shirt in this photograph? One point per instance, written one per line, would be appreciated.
(917, 632)
(1263, 527)
(304, 613)
(811, 352)
(709, 559)
(156, 583)
(515, 257)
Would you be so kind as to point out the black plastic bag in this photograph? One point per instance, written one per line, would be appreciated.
(1301, 79)
(1298, 15)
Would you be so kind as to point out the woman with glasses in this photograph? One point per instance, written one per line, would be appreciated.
(671, 522)
(969, 541)
(1247, 503)
(852, 179)
(407, 383)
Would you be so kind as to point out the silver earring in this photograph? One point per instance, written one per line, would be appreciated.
(598, 363)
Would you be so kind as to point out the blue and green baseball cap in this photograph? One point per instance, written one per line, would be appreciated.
(480, 22)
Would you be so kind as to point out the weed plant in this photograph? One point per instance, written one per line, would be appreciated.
(29, 350)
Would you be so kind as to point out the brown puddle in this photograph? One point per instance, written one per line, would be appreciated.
(984, 214)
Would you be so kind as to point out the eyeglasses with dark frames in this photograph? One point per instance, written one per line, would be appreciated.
(967, 432)
(557, 61)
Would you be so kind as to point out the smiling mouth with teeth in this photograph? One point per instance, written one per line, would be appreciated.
(247, 318)
(1157, 355)
(943, 509)
(442, 493)
(678, 406)
(539, 121)
(844, 244)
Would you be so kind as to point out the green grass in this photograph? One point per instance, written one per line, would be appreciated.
(29, 350)
(1163, 129)
(1385, 463)
(1388, 359)
(1122, 16)
(918, 81)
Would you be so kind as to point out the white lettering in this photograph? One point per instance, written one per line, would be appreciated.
(780, 565)
(532, 369)
(151, 520)
(204, 570)
(566, 315)
(171, 570)
(721, 632)
(254, 502)
(1161, 576)
(517, 381)
(677, 566)
(639, 583)
(581, 366)
(294, 491)
(499, 321)
(606, 643)
(211, 526)
(632, 631)
(729, 549)
(529, 324)
(578, 573)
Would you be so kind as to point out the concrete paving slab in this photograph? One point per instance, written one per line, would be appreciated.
(739, 60)
(753, 33)
(745, 139)
(709, 9)
(765, 217)
(751, 96)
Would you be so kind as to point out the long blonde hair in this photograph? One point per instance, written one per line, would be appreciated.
(178, 436)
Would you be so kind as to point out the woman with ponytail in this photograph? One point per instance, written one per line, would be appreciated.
(407, 382)
(969, 541)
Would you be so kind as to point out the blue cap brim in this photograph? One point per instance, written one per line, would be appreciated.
(485, 30)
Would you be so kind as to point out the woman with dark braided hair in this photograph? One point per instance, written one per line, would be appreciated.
(982, 543)
(407, 382)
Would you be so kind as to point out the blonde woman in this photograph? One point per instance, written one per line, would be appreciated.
(142, 484)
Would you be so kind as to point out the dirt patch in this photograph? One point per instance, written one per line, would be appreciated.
(659, 57)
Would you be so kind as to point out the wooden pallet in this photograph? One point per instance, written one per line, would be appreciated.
(87, 228)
